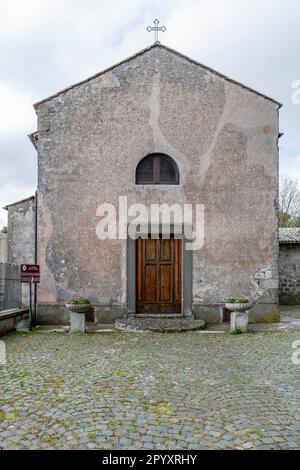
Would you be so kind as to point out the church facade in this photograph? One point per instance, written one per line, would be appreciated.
(158, 128)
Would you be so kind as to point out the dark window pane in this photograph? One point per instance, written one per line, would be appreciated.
(145, 171)
(168, 173)
(157, 169)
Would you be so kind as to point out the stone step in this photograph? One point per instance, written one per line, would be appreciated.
(159, 325)
(156, 315)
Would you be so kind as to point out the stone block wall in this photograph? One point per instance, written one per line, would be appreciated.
(289, 274)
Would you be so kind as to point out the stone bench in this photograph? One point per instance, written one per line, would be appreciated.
(10, 318)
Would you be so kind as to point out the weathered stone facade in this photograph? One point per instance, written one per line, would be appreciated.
(289, 266)
(21, 236)
(224, 139)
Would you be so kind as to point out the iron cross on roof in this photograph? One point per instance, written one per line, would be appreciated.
(156, 28)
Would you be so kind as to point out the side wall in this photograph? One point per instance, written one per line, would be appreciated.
(289, 274)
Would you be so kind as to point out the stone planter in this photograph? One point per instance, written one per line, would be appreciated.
(77, 317)
(239, 316)
(78, 308)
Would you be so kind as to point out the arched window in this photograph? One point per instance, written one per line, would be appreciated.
(157, 168)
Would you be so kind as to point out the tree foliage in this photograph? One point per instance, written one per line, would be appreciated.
(289, 202)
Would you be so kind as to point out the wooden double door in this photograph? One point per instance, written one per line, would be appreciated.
(158, 277)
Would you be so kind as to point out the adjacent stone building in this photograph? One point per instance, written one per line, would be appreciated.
(158, 128)
(21, 239)
(21, 231)
(289, 266)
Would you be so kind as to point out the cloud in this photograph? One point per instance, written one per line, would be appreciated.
(19, 17)
(18, 170)
(46, 45)
(17, 114)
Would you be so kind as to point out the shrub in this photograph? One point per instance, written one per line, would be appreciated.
(238, 300)
(78, 300)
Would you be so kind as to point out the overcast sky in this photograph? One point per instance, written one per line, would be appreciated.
(46, 45)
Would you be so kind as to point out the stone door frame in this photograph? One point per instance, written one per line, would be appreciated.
(186, 274)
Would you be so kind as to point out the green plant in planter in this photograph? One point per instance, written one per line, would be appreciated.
(78, 300)
(238, 300)
(78, 304)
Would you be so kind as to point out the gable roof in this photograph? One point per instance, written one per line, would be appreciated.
(18, 202)
(289, 235)
(156, 44)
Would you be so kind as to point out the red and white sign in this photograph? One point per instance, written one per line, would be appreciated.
(30, 273)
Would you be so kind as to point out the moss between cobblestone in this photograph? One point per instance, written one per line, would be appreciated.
(159, 408)
(10, 416)
(273, 317)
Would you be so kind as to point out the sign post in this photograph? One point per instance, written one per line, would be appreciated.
(30, 274)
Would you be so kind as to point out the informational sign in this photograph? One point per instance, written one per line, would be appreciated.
(30, 273)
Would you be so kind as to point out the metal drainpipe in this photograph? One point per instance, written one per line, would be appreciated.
(35, 251)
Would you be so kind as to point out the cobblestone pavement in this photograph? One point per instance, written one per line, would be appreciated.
(292, 311)
(120, 390)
